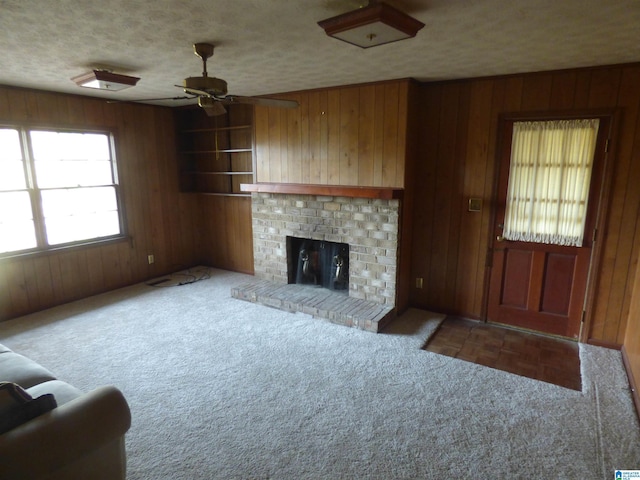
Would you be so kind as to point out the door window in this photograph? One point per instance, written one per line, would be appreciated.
(549, 179)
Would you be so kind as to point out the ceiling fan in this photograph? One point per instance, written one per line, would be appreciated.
(212, 93)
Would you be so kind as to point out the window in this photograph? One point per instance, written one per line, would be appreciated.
(549, 180)
(57, 188)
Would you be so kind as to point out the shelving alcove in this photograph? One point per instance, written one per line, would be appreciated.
(215, 154)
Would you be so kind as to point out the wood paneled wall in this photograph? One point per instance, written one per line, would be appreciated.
(160, 220)
(338, 136)
(225, 226)
(357, 135)
(224, 222)
(457, 161)
(632, 338)
(354, 136)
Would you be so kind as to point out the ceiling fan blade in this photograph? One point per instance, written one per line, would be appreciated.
(262, 101)
(138, 100)
(211, 106)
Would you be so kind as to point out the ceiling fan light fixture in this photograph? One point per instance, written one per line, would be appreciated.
(105, 80)
(375, 24)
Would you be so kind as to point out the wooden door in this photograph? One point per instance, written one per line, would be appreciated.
(540, 286)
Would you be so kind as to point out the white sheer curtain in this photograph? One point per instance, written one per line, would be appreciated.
(549, 179)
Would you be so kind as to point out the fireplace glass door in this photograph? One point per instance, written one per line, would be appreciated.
(316, 262)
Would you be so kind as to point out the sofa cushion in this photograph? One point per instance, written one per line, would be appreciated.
(21, 370)
(18, 407)
(62, 391)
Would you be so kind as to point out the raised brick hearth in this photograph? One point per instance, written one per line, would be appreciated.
(368, 225)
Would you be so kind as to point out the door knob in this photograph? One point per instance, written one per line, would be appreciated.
(500, 238)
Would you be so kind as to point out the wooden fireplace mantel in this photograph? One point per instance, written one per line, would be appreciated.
(386, 193)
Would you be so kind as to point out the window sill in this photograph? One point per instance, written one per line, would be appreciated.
(65, 248)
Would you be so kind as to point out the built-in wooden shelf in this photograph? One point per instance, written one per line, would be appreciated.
(386, 193)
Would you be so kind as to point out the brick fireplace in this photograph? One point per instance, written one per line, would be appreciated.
(370, 227)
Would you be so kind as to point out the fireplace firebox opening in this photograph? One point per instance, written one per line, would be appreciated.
(318, 262)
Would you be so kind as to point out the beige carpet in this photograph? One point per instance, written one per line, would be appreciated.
(224, 389)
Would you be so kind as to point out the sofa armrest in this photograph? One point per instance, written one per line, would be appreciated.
(65, 434)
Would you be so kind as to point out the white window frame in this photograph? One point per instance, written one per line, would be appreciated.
(35, 192)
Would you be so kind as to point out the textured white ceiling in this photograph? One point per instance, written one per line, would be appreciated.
(270, 46)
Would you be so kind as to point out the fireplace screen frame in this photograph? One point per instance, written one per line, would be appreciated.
(318, 262)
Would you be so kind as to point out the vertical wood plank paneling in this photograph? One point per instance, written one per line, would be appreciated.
(333, 135)
(148, 174)
(324, 138)
(611, 282)
(349, 131)
(227, 228)
(356, 134)
(477, 138)
(16, 286)
(16, 107)
(274, 167)
(164, 136)
(110, 266)
(447, 199)
(606, 87)
(563, 90)
(7, 307)
(283, 151)
(391, 126)
(628, 244)
(30, 283)
(583, 87)
(94, 269)
(4, 100)
(632, 335)
(56, 279)
(305, 151)
(513, 94)
(536, 92)
(44, 282)
(401, 144)
(378, 128)
(407, 205)
(315, 138)
(459, 200)
(242, 235)
(424, 186)
(294, 142)
(262, 149)
(501, 95)
(139, 220)
(159, 240)
(366, 135)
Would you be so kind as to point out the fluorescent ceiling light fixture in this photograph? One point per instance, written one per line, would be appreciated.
(105, 80)
(375, 24)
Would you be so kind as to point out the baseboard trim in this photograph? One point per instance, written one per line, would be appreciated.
(632, 382)
(604, 344)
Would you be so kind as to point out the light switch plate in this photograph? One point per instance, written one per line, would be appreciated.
(475, 204)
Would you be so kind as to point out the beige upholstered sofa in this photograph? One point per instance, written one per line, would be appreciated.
(81, 438)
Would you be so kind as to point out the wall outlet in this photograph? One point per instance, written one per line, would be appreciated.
(419, 282)
(150, 259)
